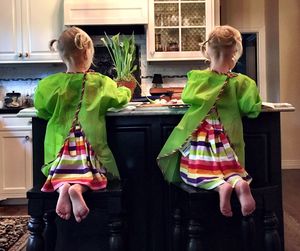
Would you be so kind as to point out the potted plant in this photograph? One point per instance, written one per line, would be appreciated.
(123, 53)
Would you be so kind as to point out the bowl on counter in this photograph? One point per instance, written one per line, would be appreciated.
(11, 100)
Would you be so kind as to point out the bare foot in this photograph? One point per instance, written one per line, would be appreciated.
(63, 206)
(80, 209)
(224, 191)
(245, 197)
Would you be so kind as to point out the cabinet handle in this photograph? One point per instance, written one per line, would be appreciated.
(26, 54)
(27, 138)
(20, 55)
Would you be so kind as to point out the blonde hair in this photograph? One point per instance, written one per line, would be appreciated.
(223, 41)
(73, 42)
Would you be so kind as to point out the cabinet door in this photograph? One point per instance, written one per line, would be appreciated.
(10, 30)
(15, 163)
(27, 26)
(105, 12)
(42, 21)
(176, 28)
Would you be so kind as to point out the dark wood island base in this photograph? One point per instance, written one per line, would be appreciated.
(147, 214)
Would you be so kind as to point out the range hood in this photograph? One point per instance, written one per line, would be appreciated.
(105, 12)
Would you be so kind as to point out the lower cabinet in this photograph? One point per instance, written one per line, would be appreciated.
(15, 159)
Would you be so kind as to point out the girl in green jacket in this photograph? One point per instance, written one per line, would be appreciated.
(206, 149)
(56, 100)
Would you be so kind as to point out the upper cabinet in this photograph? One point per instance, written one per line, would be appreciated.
(105, 12)
(177, 27)
(27, 26)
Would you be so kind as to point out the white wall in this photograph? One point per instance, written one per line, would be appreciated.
(278, 20)
(289, 40)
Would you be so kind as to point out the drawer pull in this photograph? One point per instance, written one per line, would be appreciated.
(27, 138)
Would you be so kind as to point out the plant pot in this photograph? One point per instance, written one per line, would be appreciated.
(129, 84)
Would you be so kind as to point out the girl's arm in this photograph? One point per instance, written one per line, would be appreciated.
(115, 96)
(248, 97)
(44, 101)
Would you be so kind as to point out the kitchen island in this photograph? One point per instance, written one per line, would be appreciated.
(136, 137)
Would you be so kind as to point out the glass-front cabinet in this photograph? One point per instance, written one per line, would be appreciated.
(177, 27)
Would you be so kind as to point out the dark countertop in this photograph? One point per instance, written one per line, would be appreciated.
(132, 110)
(10, 110)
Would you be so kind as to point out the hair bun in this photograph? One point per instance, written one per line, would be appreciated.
(51, 47)
(78, 40)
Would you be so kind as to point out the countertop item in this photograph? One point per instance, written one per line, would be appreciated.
(12, 99)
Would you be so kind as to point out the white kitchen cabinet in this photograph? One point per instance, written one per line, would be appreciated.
(27, 26)
(15, 156)
(177, 27)
(105, 12)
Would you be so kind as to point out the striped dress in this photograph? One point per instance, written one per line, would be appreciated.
(76, 163)
(209, 160)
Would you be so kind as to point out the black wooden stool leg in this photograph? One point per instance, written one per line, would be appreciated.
(272, 239)
(177, 231)
(248, 233)
(35, 241)
(195, 232)
(115, 238)
(50, 231)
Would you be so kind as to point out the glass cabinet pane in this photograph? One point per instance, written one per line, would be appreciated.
(191, 38)
(166, 39)
(166, 14)
(193, 14)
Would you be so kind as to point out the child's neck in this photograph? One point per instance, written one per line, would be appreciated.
(72, 67)
(76, 69)
(220, 67)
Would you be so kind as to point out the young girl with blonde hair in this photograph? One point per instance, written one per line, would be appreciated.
(86, 96)
(206, 149)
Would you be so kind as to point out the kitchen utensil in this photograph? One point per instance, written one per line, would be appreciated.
(11, 99)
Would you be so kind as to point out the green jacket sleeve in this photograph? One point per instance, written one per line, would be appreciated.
(119, 96)
(106, 92)
(45, 99)
(248, 98)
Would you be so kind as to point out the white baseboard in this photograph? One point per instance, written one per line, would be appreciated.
(290, 164)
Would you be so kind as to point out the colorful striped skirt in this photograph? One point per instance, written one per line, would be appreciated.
(76, 163)
(210, 160)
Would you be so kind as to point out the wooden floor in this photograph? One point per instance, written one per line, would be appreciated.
(291, 205)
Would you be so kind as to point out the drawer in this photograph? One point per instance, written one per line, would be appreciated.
(12, 122)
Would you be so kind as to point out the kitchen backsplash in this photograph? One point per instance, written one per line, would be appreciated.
(23, 78)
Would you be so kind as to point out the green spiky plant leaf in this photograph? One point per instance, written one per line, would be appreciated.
(122, 50)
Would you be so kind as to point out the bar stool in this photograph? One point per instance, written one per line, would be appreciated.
(101, 230)
(198, 225)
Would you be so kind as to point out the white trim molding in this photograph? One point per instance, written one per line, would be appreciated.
(261, 56)
(290, 164)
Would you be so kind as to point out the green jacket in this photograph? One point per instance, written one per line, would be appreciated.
(239, 98)
(56, 99)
